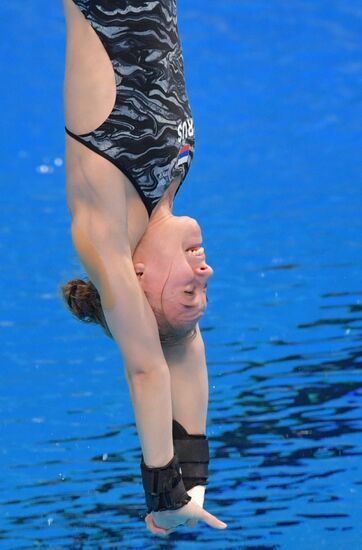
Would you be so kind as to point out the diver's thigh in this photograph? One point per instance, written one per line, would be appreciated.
(89, 84)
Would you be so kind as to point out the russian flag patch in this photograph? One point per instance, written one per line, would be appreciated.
(183, 155)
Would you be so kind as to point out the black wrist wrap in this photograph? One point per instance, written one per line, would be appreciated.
(193, 454)
(164, 487)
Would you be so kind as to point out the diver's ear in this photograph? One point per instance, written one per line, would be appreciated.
(139, 269)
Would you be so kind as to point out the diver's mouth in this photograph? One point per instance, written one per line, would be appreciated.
(197, 250)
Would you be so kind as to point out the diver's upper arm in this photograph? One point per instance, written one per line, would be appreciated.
(108, 262)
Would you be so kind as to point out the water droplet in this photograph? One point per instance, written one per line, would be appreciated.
(46, 296)
(50, 521)
(37, 419)
(104, 457)
(44, 169)
(58, 161)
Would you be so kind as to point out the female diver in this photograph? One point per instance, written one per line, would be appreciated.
(129, 144)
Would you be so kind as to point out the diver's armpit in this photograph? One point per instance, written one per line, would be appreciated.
(94, 265)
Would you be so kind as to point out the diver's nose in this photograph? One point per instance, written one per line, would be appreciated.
(204, 270)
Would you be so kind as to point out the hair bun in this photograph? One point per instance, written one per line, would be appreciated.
(82, 299)
(84, 302)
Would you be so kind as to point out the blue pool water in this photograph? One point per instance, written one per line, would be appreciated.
(276, 185)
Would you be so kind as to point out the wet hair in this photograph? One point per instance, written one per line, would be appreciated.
(83, 301)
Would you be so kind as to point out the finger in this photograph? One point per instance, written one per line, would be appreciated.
(168, 519)
(166, 530)
(155, 529)
(152, 527)
(211, 520)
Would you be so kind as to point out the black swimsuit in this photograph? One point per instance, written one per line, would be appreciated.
(149, 134)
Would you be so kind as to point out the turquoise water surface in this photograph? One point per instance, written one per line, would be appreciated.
(275, 89)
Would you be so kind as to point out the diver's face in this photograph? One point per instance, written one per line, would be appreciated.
(171, 264)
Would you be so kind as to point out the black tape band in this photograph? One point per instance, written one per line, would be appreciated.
(193, 454)
(164, 487)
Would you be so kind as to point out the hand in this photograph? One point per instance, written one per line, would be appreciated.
(164, 523)
(197, 494)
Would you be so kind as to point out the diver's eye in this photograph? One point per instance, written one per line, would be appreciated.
(189, 292)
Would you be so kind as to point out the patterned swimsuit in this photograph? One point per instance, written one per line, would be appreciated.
(149, 135)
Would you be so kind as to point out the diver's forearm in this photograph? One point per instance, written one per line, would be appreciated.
(151, 398)
(189, 391)
(189, 384)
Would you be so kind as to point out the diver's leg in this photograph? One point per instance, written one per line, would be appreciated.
(89, 96)
(89, 85)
